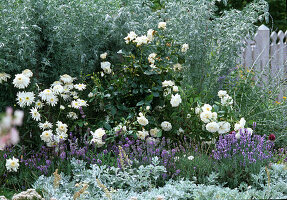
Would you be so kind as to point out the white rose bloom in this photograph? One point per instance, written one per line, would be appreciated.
(142, 134)
(66, 78)
(98, 133)
(166, 92)
(197, 110)
(103, 55)
(175, 89)
(21, 81)
(106, 66)
(180, 131)
(224, 127)
(177, 66)
(154, 132)
(28, 73)
(142, 120)
(141, 40)
(150, 34)
(166, 126)
(226, 100)
(214, 116)
(237, 136)
(221, 93)
(46, 125)
(131, 36)
(184, 48)
(4, 77)
(249, 130)
(188, 116)
(206, 107)
(167, 83)
(175, 100)
(12, 164)
(62, 107)
(47, 136)
(242, 122)
(58, 89)
(99, 142)
(151, 58)
(212, 127)
(237, 127)
(162, 25)
(35, 114)
(206, 116)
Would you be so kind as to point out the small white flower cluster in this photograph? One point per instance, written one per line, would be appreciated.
(140, 40)
(4, 77)
(210, 118)
(169, 87)
(48, 136)
(98, 137)
(225, 98)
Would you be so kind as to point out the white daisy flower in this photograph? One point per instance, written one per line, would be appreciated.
(28, 73)
(47, 93)
(47, 136)
(35, 114)
(66, 78)
(21, 81)
(12, 164)
(52, 100)
(4, 77)
(61, 127)
(80, 86)
(56, 83)
(72, 115)
(46, 125)
(38, 104)
(58, 89)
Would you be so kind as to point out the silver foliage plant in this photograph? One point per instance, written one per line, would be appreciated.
(139, 185)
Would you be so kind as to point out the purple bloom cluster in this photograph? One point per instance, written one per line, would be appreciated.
(141, 152)
(248, 149)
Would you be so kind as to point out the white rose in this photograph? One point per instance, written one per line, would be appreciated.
(162, 25)
(224, 127)
(103, 55)
(197, 110)
(98, 134)
(221, 93)
(175, 100)
(237, 136)
(206, 107)
(166, 126)
(249, 130)
(175, 88)
(206, 116)
(212, 127)
(142, 134)
(150, 34)
(154, 132)
(142, 120)
(184, 48)
(106, 66)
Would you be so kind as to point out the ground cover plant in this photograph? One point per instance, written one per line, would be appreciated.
(135, 100)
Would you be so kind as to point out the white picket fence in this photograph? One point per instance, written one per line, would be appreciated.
(266, 54)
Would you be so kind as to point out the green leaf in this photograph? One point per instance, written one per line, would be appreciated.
(140, 103)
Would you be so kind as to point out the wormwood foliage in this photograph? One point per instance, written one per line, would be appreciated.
(181, 189)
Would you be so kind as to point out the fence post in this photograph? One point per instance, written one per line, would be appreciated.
(262, 40)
